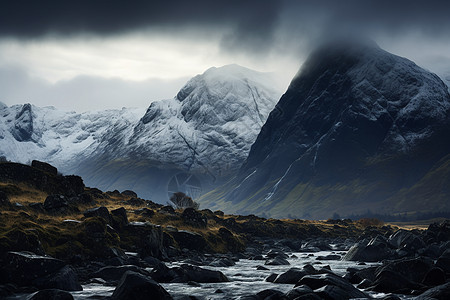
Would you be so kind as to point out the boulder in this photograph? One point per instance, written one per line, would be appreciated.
(299, 291)
(388, 281)
(277, 261)
(291, 276)
(145, 238)
(4, 200)
(22, 268)
(64, 279)
(189, 240)
(119, 217)
(129, 193)
(101, 212)
(45, 167)
(185, 273)
(51, 294)
(329, 257)
(440, 292)
(376, 250)
(56, 203)
(194, 218)
(115, 273)
(145, 212)
(319, 281)
(135, 286)
(270, 294)
(435, 276)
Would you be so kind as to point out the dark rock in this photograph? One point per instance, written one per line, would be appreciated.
(262, 268)
(22, 268)
(4, 200)
(388, 281)
(355, 276)
(291, 276)
(119, 217)
(114, 273)
(329, 257)
(271, 277)
(167, 209)
(23, 124)
(147, 238)
(145, 212)
(43, 166)
(37, 206)
(84, 198)
(299, 291)
(129, 193)
(440, 292)
(135, 202)
(376, 250)
(444, 264)
(365, 283)
(413, 270)
(189, 240)
(332, 292)
(436, 276)
(232, 244)
(391, 297)
(223, 262)
(56, 203)
(277, 261)
(101, 212)
(318, 281)
(192, 217)
(136, 286)
(185, 273)
(270, 294)
(277, 253)
(51, 294)
(64, 279)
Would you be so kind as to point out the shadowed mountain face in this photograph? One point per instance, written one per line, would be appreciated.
(358, 129)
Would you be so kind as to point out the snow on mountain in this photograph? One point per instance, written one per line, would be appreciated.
(211, 123)
(207, 129)
(29, 132)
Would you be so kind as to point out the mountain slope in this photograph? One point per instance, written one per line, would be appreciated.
(356, 126)
(204, 133)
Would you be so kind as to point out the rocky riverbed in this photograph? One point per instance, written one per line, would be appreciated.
(62, 240)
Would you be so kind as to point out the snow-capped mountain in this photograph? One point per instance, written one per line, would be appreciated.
(29, 132)
(357, 129)
(204, 133)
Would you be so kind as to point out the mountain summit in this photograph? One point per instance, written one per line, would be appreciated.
(358, 129)
(196, 140)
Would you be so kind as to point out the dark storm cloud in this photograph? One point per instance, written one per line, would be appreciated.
(252, 25)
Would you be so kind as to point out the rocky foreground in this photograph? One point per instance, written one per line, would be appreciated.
(57, 235)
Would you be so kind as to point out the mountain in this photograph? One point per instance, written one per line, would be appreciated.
(358, 130)
(192, 142)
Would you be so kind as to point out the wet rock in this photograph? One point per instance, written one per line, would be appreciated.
(298, 291)
(376, 250)
(329, 257)
(434, 277)
(185, 273)
(277, 261)
(388, 281)
(440, 292)
(56, 203)
(114, 273)
(291, 276)
(64, 279)
(223, 262)
(137, 286)
(22, 268)
(273, 253)
(270, 294)
(356, 276)
(271, 277)
(51, 294)
(192, 217)
(332, 292)
(414, 270)
(444, 264)
(319, 281)
(262, 268)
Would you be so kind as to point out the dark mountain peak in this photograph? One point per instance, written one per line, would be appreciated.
(353, 115)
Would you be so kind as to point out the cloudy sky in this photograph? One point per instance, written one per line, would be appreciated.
(97, 54)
